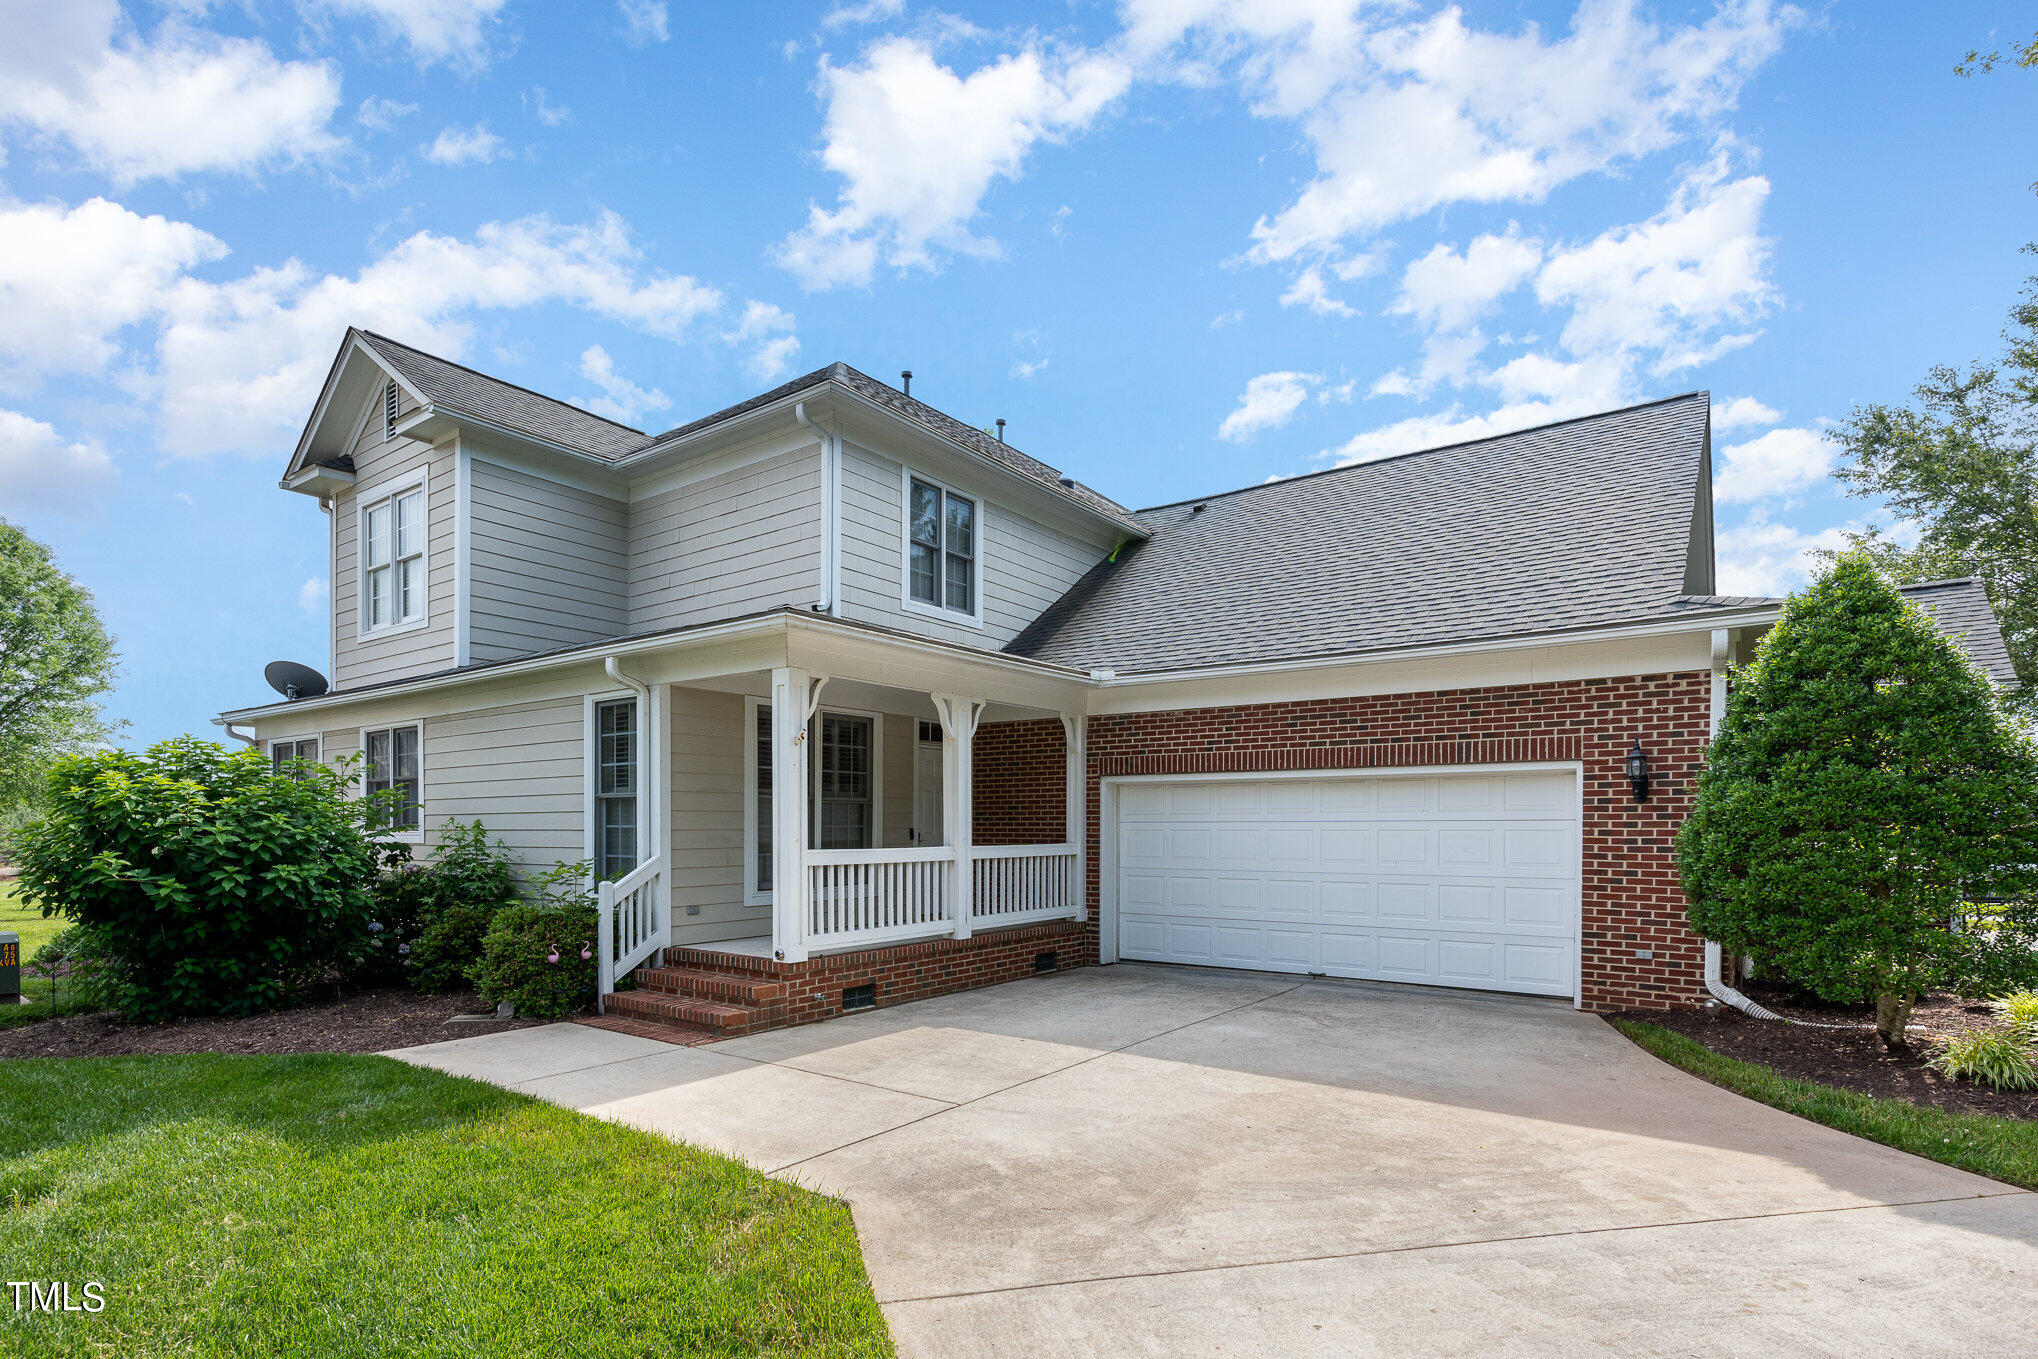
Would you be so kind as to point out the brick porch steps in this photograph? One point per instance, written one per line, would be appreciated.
(737, 988)
(718, 1017)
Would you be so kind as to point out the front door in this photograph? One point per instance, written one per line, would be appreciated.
(927, 791)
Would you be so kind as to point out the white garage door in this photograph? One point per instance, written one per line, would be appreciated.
(1455, 880)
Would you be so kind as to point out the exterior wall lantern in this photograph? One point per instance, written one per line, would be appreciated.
(1638, 772)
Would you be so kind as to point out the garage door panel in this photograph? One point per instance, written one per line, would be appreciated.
(1461, 880)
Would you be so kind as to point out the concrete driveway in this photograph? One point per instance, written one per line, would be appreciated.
(1143, 1160)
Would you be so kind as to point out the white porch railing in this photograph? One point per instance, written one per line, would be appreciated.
(633, 923)
(1019, 883)
(864, 897)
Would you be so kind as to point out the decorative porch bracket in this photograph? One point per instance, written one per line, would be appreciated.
(791, 702)
(1075, 735)
(959, 717)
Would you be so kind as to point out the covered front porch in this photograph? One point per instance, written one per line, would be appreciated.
(827, 806)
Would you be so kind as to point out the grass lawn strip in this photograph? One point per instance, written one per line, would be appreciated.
(349, 1206)
(2003, 1149)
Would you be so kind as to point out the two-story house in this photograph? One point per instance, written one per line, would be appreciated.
(850, 702)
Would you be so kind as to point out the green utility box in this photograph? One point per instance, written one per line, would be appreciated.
(10, 968)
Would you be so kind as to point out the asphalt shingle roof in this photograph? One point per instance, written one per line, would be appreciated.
(461, 389)
(1962, 611)
(1564, 526)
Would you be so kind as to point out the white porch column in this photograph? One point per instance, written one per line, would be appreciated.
(789, 905)
(958, 738)
(1075, 731)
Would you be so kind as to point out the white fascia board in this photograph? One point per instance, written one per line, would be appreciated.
(354, 348)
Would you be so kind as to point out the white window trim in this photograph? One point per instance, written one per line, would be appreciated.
(973, 619)
(417, 479)
(751, 895)
(409, 837)
(590, 745)
(317, 740)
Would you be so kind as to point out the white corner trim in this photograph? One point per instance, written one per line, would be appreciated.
(463, 552)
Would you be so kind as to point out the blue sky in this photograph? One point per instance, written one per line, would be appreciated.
(1181, 245)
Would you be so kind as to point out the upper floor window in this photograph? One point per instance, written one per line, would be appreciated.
(941, 549)
(395, 777)
(390, 400)
(393, 559)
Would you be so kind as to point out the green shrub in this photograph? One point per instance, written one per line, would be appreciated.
(540, 959)
(211, 884)
(1864, 786)
(2020, 1014)
(70, 961)
(461, 889)
(1989, 1057)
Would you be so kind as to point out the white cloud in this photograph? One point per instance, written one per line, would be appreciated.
(382, 114)
(1309, 290)
(1026, 369)
(1268, 402)
(455, 31)
(1668, 283)
(919, 146)
(239, 362)
(621, 400)
(869, 12)
(1741, 412)
(644, 22)
(1772, 464)
(768, 327)
(72, 279)
(1761, 558)
(465, 146)
(1227, 318)
(40, 470)
(311, 596)
(179, 103)
(1449, 290)
(546, 112)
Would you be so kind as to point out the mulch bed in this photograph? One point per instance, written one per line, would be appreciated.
(366, 1021)
(1853, 1058)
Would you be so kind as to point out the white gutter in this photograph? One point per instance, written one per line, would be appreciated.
(228, 727)
(831, 514)
(1714, 955)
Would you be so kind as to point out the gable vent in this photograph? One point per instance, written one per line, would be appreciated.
(389, 408)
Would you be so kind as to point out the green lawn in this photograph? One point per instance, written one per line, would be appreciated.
(354, 1206)
(2001, 1148)
(25, 921)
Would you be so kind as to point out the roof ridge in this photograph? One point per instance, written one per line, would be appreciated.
(1434, 448)
(1940, 583)
(517, 386)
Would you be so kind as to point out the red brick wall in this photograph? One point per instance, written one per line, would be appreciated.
(1019, 783)
(1632, 902)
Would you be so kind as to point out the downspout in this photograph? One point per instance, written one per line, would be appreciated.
(228, 728)
(653, 734)
(830, 601)
(1714, 982)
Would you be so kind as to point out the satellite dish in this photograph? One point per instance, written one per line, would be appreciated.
(294, 681)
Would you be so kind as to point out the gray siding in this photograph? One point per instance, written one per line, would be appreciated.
(518, 769)
(707, 820)
(1023, 566)
(361, 660)
(735, 543)
(547, 566)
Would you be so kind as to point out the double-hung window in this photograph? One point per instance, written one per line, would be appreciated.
(842, 787)
(941, 548)
(615, 788)
(394, 785)
(283, 754)
(393, 560)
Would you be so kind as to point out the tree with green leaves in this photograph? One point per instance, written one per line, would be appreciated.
(1961, 465)
(55, 661)
(1867, 822)
(1981, 63)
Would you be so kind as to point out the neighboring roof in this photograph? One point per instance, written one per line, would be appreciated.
(1568, 525)
(1962, 611)
(462, 390)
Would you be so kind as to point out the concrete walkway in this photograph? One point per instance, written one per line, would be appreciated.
(1143, 1160)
